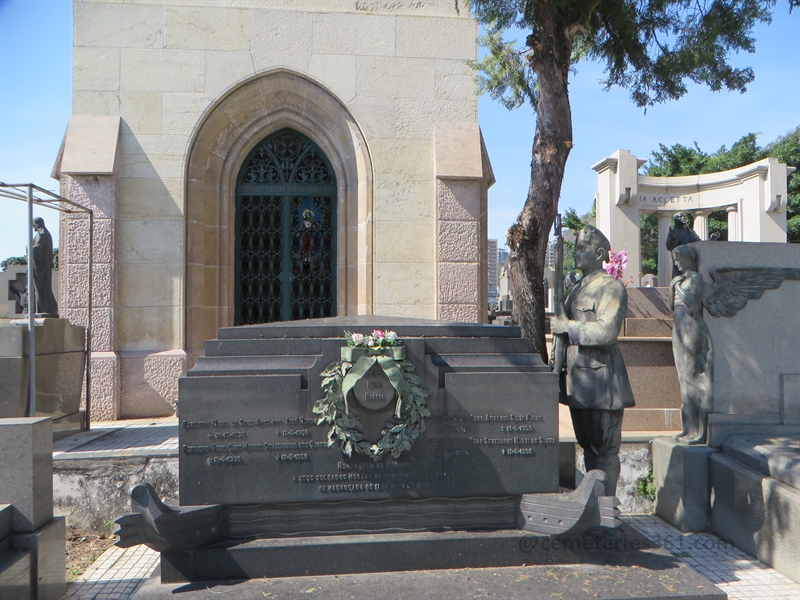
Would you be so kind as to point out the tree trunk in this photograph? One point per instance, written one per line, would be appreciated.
(528, 237)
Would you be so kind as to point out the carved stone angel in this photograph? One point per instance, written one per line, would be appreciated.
(691, 346)
(692, 349)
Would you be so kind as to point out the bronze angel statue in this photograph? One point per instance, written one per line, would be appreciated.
(692, 348)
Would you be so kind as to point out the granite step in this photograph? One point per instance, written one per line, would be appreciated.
(775, 455)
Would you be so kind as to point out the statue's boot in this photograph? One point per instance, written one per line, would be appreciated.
(571, 513)
(161, 527)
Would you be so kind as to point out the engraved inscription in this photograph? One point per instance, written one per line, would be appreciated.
(516, 428)
(517, 452)
(452, 453)
(217, 435)
(504, 418)
(392, 480)
(512, 441)
(453, 429)
(664, 200)
(293, 457)
(275, 449)
(301, 421)
(215, 461)
(374, 391)
(379, 476)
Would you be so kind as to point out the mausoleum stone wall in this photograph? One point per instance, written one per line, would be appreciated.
(196, 84)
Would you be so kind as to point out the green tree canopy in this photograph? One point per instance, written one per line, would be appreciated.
(653, 48)
(23, 260)
(12, 261)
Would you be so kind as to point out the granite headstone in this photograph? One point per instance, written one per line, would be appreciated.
(248, 434)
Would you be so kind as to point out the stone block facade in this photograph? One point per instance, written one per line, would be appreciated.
(383, 89)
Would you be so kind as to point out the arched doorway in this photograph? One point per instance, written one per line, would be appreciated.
(224, 138)
(285, 232)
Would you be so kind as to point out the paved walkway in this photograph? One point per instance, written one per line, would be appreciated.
(145, 437)
(118, 573)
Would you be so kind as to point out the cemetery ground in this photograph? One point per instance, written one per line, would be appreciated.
(83, 548)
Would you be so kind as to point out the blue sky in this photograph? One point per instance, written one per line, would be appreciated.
(35, 105)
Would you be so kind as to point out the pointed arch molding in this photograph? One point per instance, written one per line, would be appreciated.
(230, 130)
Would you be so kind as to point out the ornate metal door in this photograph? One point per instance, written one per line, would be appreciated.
(285, 266)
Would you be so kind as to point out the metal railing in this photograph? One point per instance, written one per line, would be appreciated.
(33, 194)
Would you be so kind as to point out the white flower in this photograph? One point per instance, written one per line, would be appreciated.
(370, 341)
(358, 338)
(391, 336)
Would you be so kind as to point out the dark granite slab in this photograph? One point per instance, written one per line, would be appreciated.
(253, 439)
(615, 564)
(248, 434)
(15, 574)
(482, 513)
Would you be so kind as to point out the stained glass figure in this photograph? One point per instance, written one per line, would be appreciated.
(285, 232)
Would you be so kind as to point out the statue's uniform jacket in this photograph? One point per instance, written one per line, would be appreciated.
(596, 374)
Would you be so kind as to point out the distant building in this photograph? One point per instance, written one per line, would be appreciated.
(550, 257)
(492, 268)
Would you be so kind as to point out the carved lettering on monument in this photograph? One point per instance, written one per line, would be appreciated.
(516, 428)
(453, 429)
(224, 460)
(293, 457)
(300, 420)
(226, 434)
(374, 391)
(517, 452)
(664, 200)
(452, 453)
(296, 451)
(294, 433)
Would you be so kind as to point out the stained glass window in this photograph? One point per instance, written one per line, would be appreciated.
(285, 232)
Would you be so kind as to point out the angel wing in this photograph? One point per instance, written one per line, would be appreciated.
(733, 287)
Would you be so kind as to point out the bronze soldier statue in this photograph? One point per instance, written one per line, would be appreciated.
(595, 385)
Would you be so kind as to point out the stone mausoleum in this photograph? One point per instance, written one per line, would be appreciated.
(261, 160)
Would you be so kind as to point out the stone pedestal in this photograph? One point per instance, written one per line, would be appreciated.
(754, 481)
(681, 476)
(15, 575)
(32, 560)
(46, 546)
(26, 471)
(60, 355)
